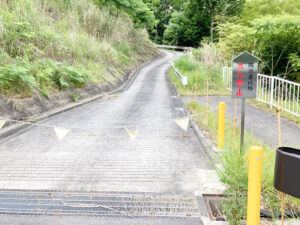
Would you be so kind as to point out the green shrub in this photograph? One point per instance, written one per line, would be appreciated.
(16, 79)
(74, 96)
(76, 77)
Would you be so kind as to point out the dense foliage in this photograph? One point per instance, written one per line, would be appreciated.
(269, 29)
(188, 22)
(138, 11)
(162, 10)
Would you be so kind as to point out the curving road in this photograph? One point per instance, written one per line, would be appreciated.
(97, 154)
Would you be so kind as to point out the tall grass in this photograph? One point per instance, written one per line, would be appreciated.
(235, 169)
(209, 55)
(207, 64)
(53, 44)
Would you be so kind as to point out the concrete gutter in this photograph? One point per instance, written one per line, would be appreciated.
(209, 148)
(207, 175)
(10, 130)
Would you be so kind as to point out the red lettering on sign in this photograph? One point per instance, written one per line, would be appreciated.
(239, 83)
(239, 93)
(239, 74)
(240, 66)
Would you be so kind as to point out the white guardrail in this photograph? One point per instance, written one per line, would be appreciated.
(183, 79)
(175, 47)
(273, 91)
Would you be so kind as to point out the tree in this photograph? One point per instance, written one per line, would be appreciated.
(139, 12)
(191, 25)
(232, 8)
(257, 8)
(186, 30)
(274, 39)
(162, 10)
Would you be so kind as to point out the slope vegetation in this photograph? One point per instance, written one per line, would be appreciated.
(53, 46)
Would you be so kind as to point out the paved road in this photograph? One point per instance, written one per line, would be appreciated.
(98, 155)
(260, 123)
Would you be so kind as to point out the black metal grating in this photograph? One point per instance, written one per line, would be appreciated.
(97, 203)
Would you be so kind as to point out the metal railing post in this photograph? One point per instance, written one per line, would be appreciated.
(223, 74)
(272, 90)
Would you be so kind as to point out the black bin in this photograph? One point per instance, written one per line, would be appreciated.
(287, 171)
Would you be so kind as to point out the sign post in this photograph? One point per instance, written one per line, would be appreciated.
(244, 82)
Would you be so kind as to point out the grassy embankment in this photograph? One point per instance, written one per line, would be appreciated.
(51, 45)
(202, 61)
(235, 172)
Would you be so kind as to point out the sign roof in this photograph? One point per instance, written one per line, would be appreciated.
(245, 56)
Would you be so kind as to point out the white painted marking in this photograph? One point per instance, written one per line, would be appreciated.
(61, 132)
(132, 134)
(2, 122)
(183, 122)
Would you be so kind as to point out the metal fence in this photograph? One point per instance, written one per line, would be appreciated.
(273, 91)
(227, 77)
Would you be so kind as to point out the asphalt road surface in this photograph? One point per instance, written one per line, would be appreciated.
(260, 123)
(98, 163)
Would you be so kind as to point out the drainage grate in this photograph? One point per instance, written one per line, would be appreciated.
(97, 204)
(214, 207)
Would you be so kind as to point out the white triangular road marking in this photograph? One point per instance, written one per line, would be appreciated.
(61, 132)
(2, 122)
(183, 122)
(132, 134)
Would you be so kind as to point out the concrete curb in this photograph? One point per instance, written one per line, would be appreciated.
(10, 130)
(209, 150)
(207, 146)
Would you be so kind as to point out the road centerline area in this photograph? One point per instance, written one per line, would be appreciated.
(98, 153)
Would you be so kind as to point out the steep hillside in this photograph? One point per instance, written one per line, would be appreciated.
(54, 46)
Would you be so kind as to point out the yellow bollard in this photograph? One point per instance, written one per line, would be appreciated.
(221, 125)
(254, 185)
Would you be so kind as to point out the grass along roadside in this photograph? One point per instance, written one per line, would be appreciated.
(235, 168)
(188, 66)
